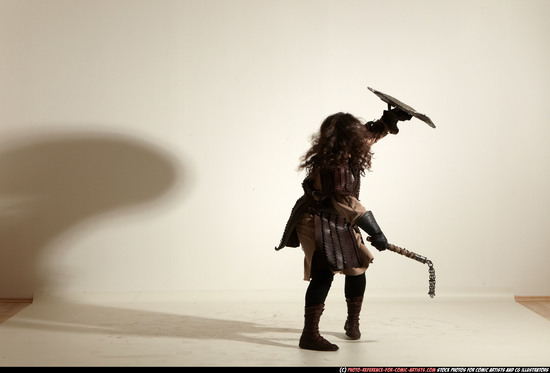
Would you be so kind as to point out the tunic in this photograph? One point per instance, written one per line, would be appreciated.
(300, 230)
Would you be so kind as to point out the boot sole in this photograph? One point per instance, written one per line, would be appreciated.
(320, 349)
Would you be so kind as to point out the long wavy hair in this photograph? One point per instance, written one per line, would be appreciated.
(341, 141)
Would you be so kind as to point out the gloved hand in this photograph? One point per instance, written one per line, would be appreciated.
(367, 223)
(401, 115)
(391, 117)
(379, 241)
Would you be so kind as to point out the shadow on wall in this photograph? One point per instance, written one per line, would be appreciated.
(50, 183)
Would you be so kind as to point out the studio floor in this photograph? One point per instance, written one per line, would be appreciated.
(262, 329)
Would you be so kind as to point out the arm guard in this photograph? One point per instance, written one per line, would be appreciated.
(367, 223)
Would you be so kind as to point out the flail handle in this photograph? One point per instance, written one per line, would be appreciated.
(407, 253)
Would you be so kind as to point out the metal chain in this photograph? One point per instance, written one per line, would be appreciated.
(431, 271)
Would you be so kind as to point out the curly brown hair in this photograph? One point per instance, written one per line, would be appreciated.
(341, 140)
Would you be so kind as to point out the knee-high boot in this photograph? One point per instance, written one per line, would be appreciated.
(311, 339)
(352, 323)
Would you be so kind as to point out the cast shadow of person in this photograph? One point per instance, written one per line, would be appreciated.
(49, 183)
(60, 315)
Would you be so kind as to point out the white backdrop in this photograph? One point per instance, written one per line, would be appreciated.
(153, 145)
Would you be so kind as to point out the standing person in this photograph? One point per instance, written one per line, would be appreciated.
(325, 220)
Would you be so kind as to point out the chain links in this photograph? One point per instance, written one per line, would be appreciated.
(431, 271)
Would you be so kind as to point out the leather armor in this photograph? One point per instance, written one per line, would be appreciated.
(334, 235)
